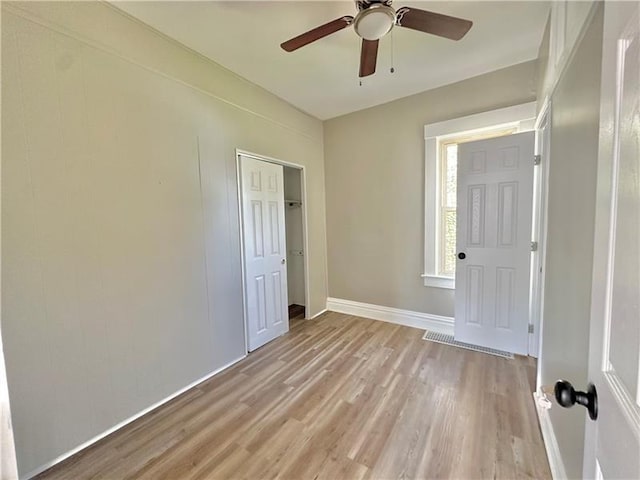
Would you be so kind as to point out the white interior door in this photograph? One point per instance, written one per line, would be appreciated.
(612, 443)
(493, 240)
(265, 270)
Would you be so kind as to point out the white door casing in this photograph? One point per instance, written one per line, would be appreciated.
(612, 443)
(494, 199)
(264, 241)
(539, 227)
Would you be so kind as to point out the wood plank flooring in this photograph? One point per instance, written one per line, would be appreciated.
(339, 397)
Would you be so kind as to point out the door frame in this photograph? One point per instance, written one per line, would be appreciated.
(305, 237)
(539, 227)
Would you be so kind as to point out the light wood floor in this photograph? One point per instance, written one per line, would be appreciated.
(337, 398)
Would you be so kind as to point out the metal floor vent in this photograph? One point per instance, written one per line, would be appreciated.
(449, 340)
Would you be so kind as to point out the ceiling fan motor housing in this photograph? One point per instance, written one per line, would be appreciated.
(363, 4)
(375, 21)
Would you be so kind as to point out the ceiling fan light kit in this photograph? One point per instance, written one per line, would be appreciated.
(375, 19)
(374, 22)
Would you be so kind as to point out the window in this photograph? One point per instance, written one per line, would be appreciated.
(448, 168)
(441, 162)
(448, 187)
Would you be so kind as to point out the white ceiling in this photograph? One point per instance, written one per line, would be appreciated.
(322, 78)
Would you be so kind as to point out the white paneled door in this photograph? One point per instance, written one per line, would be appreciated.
(612, 442)
(493, 242)
(265, 270)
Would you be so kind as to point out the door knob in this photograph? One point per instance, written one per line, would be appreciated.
(462, 255)
(283, 261)
(567, 397)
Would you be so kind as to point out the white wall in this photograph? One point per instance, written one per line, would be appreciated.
(121, 274)
(295, 236)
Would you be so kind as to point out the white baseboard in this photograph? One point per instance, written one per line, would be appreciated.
(556, 464)
(100, 436)
(317, 314)
(408, 318)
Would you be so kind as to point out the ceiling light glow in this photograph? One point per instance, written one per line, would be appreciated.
(374, 22)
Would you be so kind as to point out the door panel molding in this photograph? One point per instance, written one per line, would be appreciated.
(614, 349)
(493, 232)
(263, 221)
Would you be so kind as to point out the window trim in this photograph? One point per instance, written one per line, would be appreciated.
(520, 116)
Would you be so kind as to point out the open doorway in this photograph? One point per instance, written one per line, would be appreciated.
(444, 251)
(273, 238)
(295, 243)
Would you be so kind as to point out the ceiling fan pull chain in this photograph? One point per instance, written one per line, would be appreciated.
(392, 69)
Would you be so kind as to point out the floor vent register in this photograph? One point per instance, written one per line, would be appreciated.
(449, 340)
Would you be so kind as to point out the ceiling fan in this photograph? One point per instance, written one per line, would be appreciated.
(376, 18)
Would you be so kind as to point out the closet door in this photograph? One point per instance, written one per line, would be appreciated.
(264, 240)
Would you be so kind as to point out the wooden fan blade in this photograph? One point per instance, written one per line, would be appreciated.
(368, 57)
(317, 33)
(434, 23)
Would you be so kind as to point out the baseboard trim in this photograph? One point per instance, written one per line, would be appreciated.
(408, 318)
(317, 314)
(100, 436)
(556, 464)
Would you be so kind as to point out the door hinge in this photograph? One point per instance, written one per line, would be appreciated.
(531, 328)
(534, 246)
(537, 159)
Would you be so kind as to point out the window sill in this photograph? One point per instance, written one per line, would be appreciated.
(439, 282)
